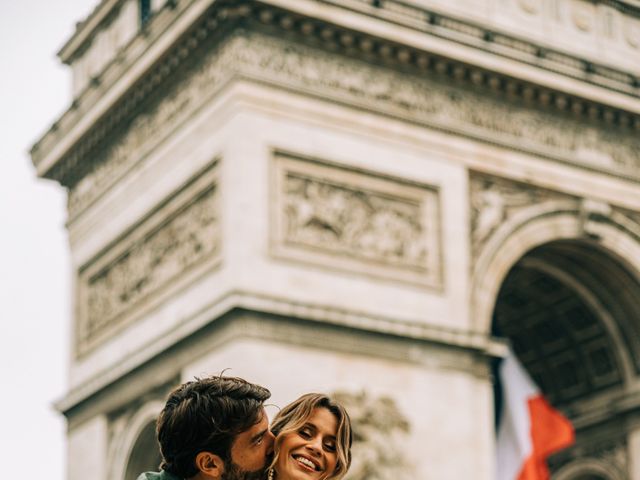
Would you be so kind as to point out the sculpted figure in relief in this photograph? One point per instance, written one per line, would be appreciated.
(494, 200)
(357, 222)
(490, 204)
(380, 430)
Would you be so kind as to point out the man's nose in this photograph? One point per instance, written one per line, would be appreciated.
(270, 441)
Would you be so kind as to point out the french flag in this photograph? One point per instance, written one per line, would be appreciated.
(530, 428)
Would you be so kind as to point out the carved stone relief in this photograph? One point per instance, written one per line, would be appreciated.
(357, 222)
(370, 222)
(583, 15)
(631, 32)
(343, 79)
(444, 106)
(494, 200)
(380, 430)
(178, 238)
(529, 6)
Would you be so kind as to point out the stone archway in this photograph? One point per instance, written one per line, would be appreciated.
(145, 455)
(568, 309)
(610, 233)
(590, 469)
(560, 279)
(135, 449)
(571, 310)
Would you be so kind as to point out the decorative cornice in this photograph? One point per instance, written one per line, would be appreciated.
(469, 33)
(626, 6)
(225, 16)
(102, 13)
(342, 330)
(141, 61)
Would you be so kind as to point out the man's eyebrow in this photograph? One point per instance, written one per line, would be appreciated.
(259, 434)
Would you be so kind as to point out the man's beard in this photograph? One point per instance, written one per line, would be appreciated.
(234, 472)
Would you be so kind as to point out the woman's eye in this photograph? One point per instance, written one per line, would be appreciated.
(331, 447)
(304, 433)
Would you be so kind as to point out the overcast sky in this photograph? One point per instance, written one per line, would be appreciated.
(34, 259)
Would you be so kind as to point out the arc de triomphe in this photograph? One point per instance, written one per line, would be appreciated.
(355, 196)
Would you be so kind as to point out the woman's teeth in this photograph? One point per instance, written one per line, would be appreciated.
(306, 462)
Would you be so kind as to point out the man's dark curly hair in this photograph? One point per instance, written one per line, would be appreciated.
(205, 415)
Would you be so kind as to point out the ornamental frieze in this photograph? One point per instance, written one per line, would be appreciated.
(441, 106)
(356, 220)
(176, 240)
(417, 97)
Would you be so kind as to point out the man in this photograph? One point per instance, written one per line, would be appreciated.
(214, 429)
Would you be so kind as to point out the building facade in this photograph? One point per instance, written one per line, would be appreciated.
(361, 197)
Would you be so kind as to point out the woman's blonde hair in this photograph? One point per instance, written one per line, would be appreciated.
(293, 417)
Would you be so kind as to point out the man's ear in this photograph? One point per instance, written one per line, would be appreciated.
(210, 465)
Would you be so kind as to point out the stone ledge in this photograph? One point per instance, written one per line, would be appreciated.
(270, 309)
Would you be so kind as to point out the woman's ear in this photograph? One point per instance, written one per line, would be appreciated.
(210, 465)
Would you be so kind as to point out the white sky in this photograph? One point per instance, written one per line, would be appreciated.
(35, 300)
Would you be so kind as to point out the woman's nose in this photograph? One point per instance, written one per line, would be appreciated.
(315, 445)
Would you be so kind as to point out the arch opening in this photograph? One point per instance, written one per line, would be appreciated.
(569, 311)
(145, 454)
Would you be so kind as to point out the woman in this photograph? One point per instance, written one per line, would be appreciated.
(313, 440)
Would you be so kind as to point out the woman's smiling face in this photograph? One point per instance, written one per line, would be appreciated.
(310, 452)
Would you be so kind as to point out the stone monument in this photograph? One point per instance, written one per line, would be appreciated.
(355, 196)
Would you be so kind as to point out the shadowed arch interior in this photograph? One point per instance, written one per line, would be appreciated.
(569, 311)
(145, 454)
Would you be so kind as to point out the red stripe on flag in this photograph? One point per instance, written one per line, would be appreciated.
(550, 432)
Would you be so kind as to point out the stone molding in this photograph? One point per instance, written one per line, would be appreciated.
(461, 349)
(177, 241)
(341, 218)
(72, 164)
(629, 220)
(480, 36)
(149, 129)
